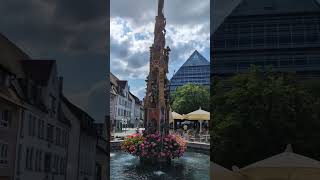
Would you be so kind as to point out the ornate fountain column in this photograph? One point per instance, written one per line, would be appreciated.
(156, 102)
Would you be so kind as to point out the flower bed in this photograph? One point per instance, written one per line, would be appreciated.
(152, 146)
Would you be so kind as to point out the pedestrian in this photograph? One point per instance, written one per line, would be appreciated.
(185, 127)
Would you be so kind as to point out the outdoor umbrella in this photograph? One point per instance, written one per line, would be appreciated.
(177, 115)
(199, 115)
(173, 115)
(284, 166)
(218, 172)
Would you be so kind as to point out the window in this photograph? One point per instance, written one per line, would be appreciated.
(30, 125)
(27, 158)
(41, 129)
(34, 119)
(55, 165)
(4, 79)
(22, 124)
(40, 161)
(64, 138)
(31, 159)
(3, 154)
(47, 162)
(36, 160)
(58, 136)
(50, 133)
(5, 117)
(19, 159)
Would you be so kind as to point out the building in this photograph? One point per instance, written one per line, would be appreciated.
(137, 111)
(83, 148)
(125, 108)
(42, 135)
(195, 70)
(113, 101)
(10, 115)
(282, 34)
(33, 136)
(11, 106)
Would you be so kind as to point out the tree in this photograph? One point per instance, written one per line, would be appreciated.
(189, 98)
(258, 113)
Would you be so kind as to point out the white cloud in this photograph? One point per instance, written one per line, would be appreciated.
(188, 29)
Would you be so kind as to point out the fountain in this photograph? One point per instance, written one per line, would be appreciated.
(155, 148)
(156, 102)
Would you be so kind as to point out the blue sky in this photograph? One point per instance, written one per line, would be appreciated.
(131, 35)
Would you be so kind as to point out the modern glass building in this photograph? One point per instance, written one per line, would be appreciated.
(283, 34)
(195, 70)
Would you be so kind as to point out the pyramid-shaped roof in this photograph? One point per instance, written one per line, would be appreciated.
(196, 59)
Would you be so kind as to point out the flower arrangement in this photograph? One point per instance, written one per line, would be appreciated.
(152, 146)
(131, 143)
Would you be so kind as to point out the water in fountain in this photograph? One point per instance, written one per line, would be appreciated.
(192, 166)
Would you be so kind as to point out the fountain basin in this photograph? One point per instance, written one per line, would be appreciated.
(191, 166)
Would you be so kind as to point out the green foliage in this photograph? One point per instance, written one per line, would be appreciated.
(189, 98)
(255, 115)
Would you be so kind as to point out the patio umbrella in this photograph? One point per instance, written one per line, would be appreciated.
(218, 172)
(284, 166)
(177, 115)
(199, 115)
(173, 115)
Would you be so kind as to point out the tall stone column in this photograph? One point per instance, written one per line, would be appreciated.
(156, 100)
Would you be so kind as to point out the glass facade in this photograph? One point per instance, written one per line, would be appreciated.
(288, 42)
(195, 70)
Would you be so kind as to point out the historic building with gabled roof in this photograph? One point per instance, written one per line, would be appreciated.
(125, 108)
(42, 135)
(195, 70)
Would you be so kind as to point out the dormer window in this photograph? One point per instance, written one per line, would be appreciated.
(4, 79)
(4, 118)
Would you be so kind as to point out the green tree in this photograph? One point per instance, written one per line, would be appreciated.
(189, 98)
(256, 114)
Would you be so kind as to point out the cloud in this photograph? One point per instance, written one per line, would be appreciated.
(188, 29)
(93, 100)
(73, 32)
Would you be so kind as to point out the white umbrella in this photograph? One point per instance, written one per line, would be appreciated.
(199, 115)
(218, 172)
(286, 166)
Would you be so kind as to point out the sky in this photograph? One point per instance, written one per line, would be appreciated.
(131, 35)
(72, 32)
